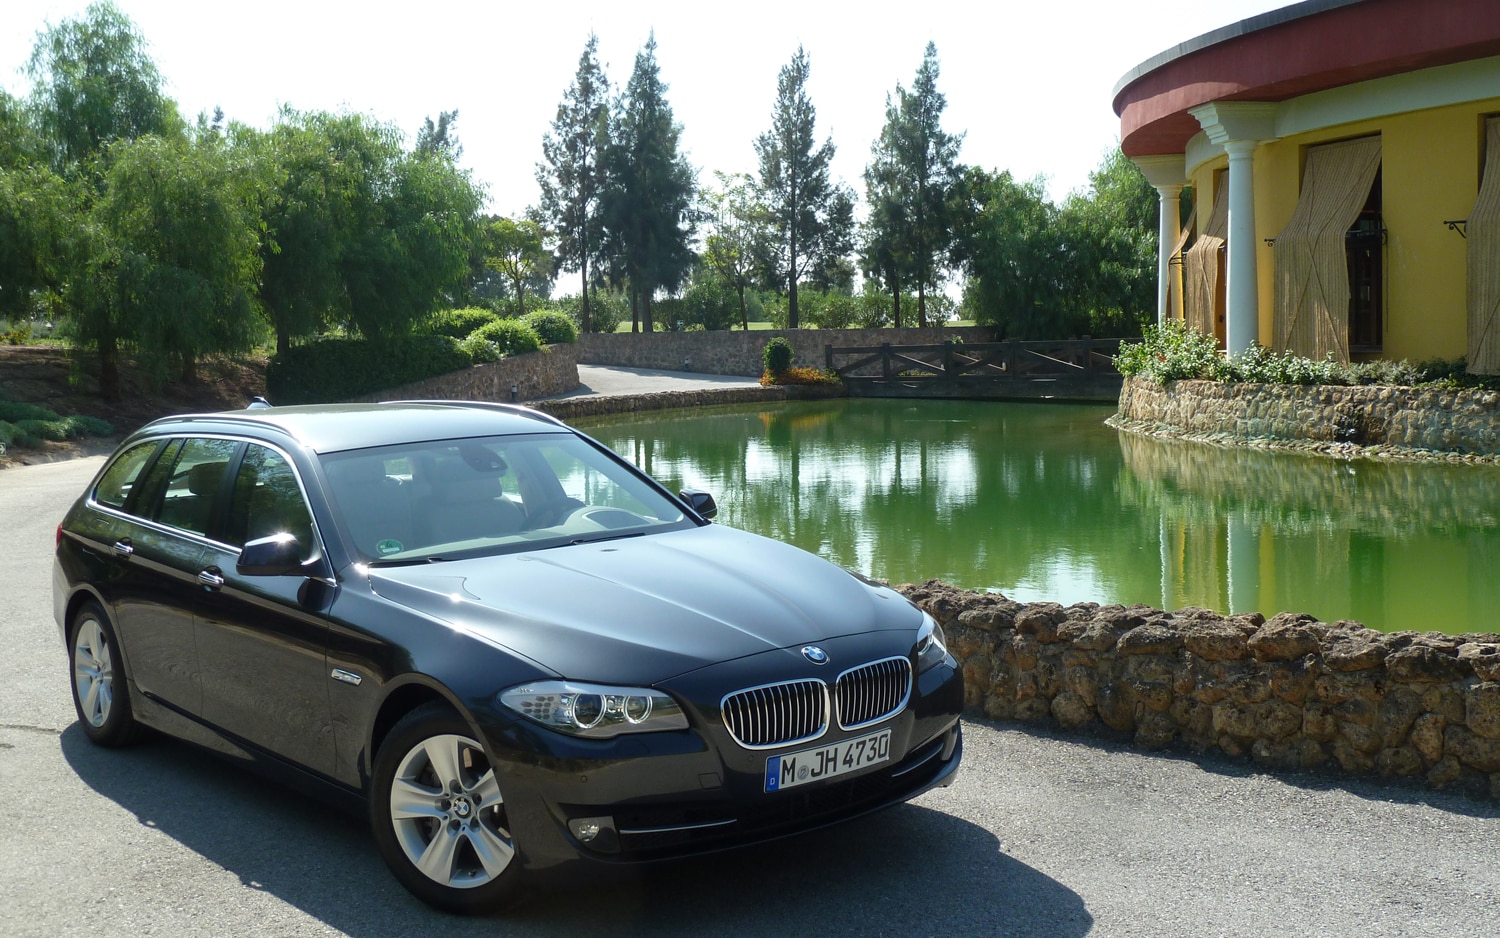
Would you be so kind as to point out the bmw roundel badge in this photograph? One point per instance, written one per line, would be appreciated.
(814, 654)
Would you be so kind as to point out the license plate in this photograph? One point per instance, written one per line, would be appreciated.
(829, 761)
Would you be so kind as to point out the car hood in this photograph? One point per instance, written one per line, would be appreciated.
(644, 609)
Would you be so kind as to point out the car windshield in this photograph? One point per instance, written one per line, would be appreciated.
(451, 499)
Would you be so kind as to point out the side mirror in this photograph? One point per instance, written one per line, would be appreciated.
(701, 502)
(276, 555)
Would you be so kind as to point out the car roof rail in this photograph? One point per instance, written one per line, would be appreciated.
(517, 409)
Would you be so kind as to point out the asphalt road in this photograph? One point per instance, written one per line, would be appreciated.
(1041, 836)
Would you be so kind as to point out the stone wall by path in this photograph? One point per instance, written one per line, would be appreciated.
(595, 405)
(553, 370)
(739, 353)
(1291, 693)
(1374, 421)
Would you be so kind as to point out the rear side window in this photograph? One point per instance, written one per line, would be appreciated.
(120, 478)
(195, 479)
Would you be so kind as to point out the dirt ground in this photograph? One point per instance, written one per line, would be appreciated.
(66, 382)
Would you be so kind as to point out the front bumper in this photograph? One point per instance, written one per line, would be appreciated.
(664, 796)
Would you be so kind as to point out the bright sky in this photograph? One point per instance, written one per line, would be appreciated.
(1030, 82)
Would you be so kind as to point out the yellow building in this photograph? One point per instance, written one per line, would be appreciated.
(1344, 157)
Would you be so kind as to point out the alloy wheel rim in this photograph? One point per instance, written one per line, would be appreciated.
(93, 675)
(448, 815)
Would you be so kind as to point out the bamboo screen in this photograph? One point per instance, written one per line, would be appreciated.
(1200, 268)
(1175, 260)
(1483, 232)
(1312, 272)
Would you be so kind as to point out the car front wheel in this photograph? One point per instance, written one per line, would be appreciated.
(439, 818)
(99, 693)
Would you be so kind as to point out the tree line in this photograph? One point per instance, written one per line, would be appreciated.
(146, 232)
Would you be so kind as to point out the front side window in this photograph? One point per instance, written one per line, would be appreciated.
(458, 498)
(267, 500)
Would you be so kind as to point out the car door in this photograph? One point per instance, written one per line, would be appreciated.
(261, 639)
(157, 543)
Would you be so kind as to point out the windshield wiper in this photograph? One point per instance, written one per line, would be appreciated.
(598, 538)
(411, 562)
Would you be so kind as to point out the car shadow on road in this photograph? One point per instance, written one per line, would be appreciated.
(910, 870)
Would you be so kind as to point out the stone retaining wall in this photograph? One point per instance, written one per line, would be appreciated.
(595, 405)
(739, 353)
(1380, 420)
(553, 370)
(1291, 693)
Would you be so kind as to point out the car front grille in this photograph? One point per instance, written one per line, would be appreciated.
(796, 711)
(872, 692)
(777, 714)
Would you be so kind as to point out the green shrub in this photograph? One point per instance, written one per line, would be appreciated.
(838, 311)
(459, 323)
(480, 350)
(606, 310)
(778, 356)
(338, 369)
(30, 424)
(552, 326)
(511, 336)
(710, 305)
(1170, 352)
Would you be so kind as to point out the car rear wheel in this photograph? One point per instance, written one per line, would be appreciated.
(99, 692)
(439, 818)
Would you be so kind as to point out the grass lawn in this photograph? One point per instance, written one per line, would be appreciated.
(766, 326)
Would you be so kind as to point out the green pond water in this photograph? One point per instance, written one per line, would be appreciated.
(1045, 502)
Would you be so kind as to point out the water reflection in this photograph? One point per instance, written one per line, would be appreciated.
(1045, 502)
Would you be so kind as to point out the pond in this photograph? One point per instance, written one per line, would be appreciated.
(1045, 502)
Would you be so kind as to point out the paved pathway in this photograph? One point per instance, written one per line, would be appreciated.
(615, 380)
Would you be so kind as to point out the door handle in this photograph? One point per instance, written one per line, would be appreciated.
(211, 578)
(123, 547)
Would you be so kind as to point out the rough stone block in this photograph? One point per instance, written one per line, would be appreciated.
(1084, 682)
(1151, 695)
(999, 707)
(1292, 681)
(1041, 620)
(1284, 638)
(1153, 638)
(1032, 709)
(1476, 751)
(1071, 711)
(1398, 711)
(1427, 736)
(1216, 641)
(1352, 759)
(1098, 635)
(1318, 723)
(1445, 772)
(1423, 664)
(1278, 719)
(1155, 731)
(1277, 755)
(1116, 709)
(1354, 654)
(1402, 760)
(1360, 737)
(1483, 658)
(1311, 754)
(1236, 719)
(1482, 709)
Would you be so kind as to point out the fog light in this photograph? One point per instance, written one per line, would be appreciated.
(597, 833)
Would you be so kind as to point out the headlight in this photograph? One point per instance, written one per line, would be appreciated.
(595, 710)
(932, 645)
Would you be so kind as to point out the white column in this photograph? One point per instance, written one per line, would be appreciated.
(1166, 175)
(1243, 290)
(1239, 127)
(1169, 226)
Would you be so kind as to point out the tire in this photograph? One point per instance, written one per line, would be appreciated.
(101, 696)
(448, 839)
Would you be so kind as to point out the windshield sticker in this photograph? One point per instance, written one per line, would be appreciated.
(389, 546)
